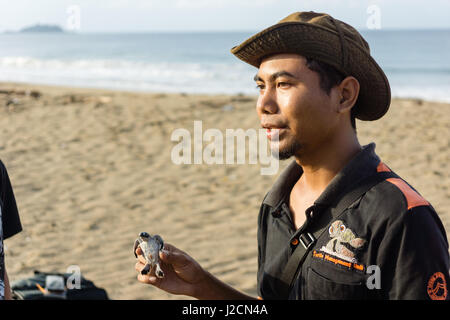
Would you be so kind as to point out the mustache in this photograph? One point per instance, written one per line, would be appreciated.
(273, 125)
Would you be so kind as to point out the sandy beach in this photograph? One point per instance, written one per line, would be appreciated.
(92, 168)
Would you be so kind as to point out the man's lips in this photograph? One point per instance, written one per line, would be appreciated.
(273, 125)
(273, 130)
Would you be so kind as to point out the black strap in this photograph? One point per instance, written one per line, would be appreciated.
(306, 241)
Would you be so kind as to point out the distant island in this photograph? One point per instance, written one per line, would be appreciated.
(41, 28)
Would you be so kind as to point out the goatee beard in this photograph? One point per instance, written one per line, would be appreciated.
(287, 152)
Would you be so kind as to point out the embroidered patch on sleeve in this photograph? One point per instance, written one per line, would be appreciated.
(437, 287)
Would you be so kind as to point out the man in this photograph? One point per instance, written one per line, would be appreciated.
(338, 223)
(9, 226)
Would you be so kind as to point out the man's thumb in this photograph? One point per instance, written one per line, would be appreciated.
(176, 259)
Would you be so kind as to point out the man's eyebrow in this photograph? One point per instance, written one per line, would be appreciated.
(274, 76)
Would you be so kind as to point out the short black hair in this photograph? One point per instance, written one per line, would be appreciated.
(329, 77)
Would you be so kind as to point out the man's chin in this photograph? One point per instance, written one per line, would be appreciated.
(286, 152)
(283, 155)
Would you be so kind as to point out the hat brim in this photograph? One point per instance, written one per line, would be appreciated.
(320, 43)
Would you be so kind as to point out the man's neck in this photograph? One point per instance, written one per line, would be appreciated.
(320, 167)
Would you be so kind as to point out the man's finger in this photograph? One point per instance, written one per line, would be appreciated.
(149, 279)
(139, 266)
(142, 259)
(140, 256)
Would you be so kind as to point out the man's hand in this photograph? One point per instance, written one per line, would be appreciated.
(183, 275)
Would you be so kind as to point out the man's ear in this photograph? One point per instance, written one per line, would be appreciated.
(349, 91)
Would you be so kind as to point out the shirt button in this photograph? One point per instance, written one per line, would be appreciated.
(294, 241)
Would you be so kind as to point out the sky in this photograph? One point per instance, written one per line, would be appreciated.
(216, 15)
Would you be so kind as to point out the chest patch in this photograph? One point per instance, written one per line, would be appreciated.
(343, 244)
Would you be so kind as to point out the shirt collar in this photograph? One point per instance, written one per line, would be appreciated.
(361, 166)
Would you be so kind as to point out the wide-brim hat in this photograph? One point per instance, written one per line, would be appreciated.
(321, 37)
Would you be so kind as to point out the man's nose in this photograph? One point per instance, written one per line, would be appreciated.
(266, 103)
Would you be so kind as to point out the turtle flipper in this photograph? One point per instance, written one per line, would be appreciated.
(146, 269)
(158, 272)
(158, 238)
(136, 244)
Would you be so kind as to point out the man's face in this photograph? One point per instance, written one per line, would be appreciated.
(292, 105)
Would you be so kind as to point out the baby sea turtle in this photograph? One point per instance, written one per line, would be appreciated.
(150, 247)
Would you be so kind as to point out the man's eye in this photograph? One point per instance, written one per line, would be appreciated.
(260, 86)
(284, 84)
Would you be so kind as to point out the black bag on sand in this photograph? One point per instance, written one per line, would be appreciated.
(51, 286)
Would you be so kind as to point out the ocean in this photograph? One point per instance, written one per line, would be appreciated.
(416, 63)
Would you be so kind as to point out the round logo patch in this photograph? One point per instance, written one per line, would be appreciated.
(437, 287)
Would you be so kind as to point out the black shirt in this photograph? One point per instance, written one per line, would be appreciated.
(9, 216)
(389, 244)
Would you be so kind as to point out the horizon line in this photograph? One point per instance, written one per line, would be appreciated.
(7, 31)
